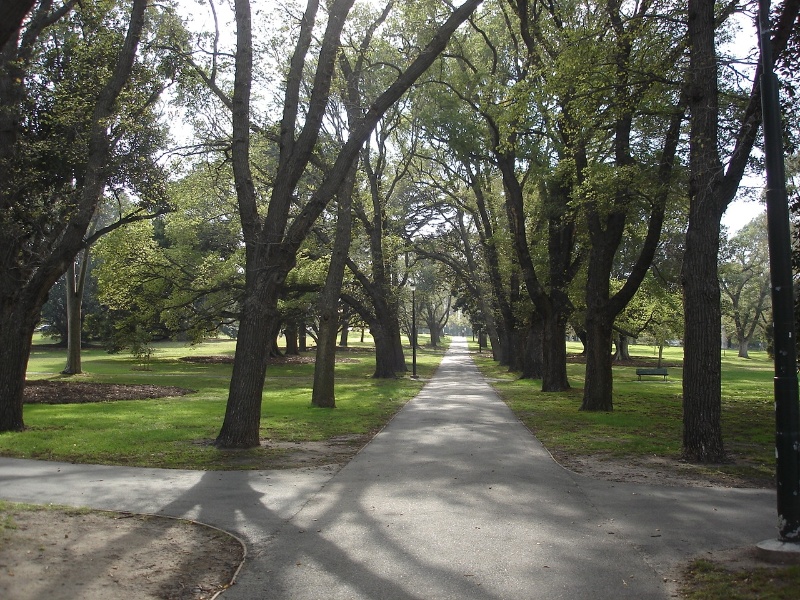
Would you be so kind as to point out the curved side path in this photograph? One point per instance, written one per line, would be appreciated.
(453, 499)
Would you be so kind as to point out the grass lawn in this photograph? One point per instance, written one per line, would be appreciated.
(647, 415)
(176, 431)
(706, 580)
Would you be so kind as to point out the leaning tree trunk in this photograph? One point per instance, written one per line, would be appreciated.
(24, 285)
(240, 429)
(323, 393)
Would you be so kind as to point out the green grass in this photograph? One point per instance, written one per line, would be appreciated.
(647, 415)
(176, 432)
(706, 580)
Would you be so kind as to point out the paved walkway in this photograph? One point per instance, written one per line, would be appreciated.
(453, 499)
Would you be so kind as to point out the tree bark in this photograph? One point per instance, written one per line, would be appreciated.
(554, 354)
(302, 337)
(744, 346)
(12, 14)
(240, 428)
(598, 391)
(17, 324)
(533, 361)
(384, 353)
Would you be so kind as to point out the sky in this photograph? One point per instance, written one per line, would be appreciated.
(743, 210)
(740, 213)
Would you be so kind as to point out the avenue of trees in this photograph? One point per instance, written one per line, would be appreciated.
(544, 167)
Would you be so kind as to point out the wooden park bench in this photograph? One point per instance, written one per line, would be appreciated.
(652, 371)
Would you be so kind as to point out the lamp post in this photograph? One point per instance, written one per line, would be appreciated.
(413, 289)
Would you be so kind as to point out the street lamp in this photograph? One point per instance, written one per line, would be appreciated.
(413, 289)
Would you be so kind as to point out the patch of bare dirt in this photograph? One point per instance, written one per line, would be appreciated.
(332, 454)
(66, 554)
(656, 470)
(41, 391)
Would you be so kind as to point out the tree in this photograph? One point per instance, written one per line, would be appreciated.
(323, 392)
(75, 280)
(272, 241)
(744, 280)
(618, 193)
(62, 140)
(713, 183)
(434, 299)
(502, 77)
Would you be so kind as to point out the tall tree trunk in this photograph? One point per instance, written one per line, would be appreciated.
(396, 337)
(711, 189)
(345, 332)
(599, 382)
(271, 241)
(702, 402)
(702, 353)
(323, 393)
(518, 340)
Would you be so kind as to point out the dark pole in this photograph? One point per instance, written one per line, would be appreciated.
(413, 332)
(787, 415)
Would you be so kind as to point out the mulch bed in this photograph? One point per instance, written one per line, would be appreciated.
(72, 392)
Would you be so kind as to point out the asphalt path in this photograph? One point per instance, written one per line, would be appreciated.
(455, 498)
